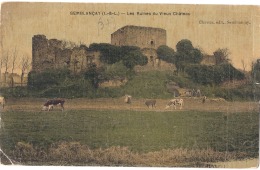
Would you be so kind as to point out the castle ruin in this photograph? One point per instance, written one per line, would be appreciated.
(147, 38)
(143, 37)
(57, 54)
(54, 54)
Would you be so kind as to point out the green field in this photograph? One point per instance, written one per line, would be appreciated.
(140, 131)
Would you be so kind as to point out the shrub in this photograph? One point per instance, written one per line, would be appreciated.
(205, 75)
(25, 151)
(74, 153)
(47, 78)
(116, 70)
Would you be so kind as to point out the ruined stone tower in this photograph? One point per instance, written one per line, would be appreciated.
(54, 54)
(147, 38)
(48, 54)
(143, 37)
(39, 51)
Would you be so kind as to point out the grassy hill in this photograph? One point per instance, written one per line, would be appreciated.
(149, 84)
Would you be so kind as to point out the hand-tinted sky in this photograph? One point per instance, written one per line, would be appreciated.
(20, 21)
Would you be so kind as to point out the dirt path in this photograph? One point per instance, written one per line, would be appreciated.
(35, 104)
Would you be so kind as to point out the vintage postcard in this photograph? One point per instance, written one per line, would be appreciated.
(129, 85)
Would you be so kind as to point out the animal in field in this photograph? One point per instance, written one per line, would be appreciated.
(188, 93)
(198, 93)
(204, 99)
(53, 102)
(193, 93)
(150, 102)
(128, 99)
(174, 102)
(2, 101)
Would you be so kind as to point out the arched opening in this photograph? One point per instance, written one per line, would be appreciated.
(152, 43)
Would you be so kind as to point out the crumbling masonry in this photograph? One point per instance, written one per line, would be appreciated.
(147, 38)
(53, 53)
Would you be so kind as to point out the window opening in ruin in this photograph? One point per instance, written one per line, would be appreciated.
(152, 42)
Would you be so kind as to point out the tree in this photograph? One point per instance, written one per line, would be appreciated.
(222, 55)
(196, 56)
(184, 46)
(256, 71)
(244, 65)
(166, 53)
(24, 66)
(134, 58)
(179, 61)
(47, 79)
(92, 74)
(109, 53)
(117, 70)
(217, 74)
(6, 63)
(186, 54)
(13, 61)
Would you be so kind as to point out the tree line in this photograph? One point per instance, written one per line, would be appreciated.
(187, 60)
(11, 61)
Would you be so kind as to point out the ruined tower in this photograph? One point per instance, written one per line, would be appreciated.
(39, 51)
(48, 54)
(143, 37)
(57, 54)
(147, 38)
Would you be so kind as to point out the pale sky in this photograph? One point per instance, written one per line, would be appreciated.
(20, 21)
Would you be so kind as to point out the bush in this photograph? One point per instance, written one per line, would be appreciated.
(15, 92)
(166, 53)
(47, 78)
(110, 54)
(25, 151)
(182, 81)
(209, 75)
(117, 70)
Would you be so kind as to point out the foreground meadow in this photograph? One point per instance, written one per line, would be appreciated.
(128, 137)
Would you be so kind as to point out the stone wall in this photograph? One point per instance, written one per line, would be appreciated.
(209, 60)
(147, 38)
(143, 37)
(94, 57)
(52, 54)
(40, 52)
